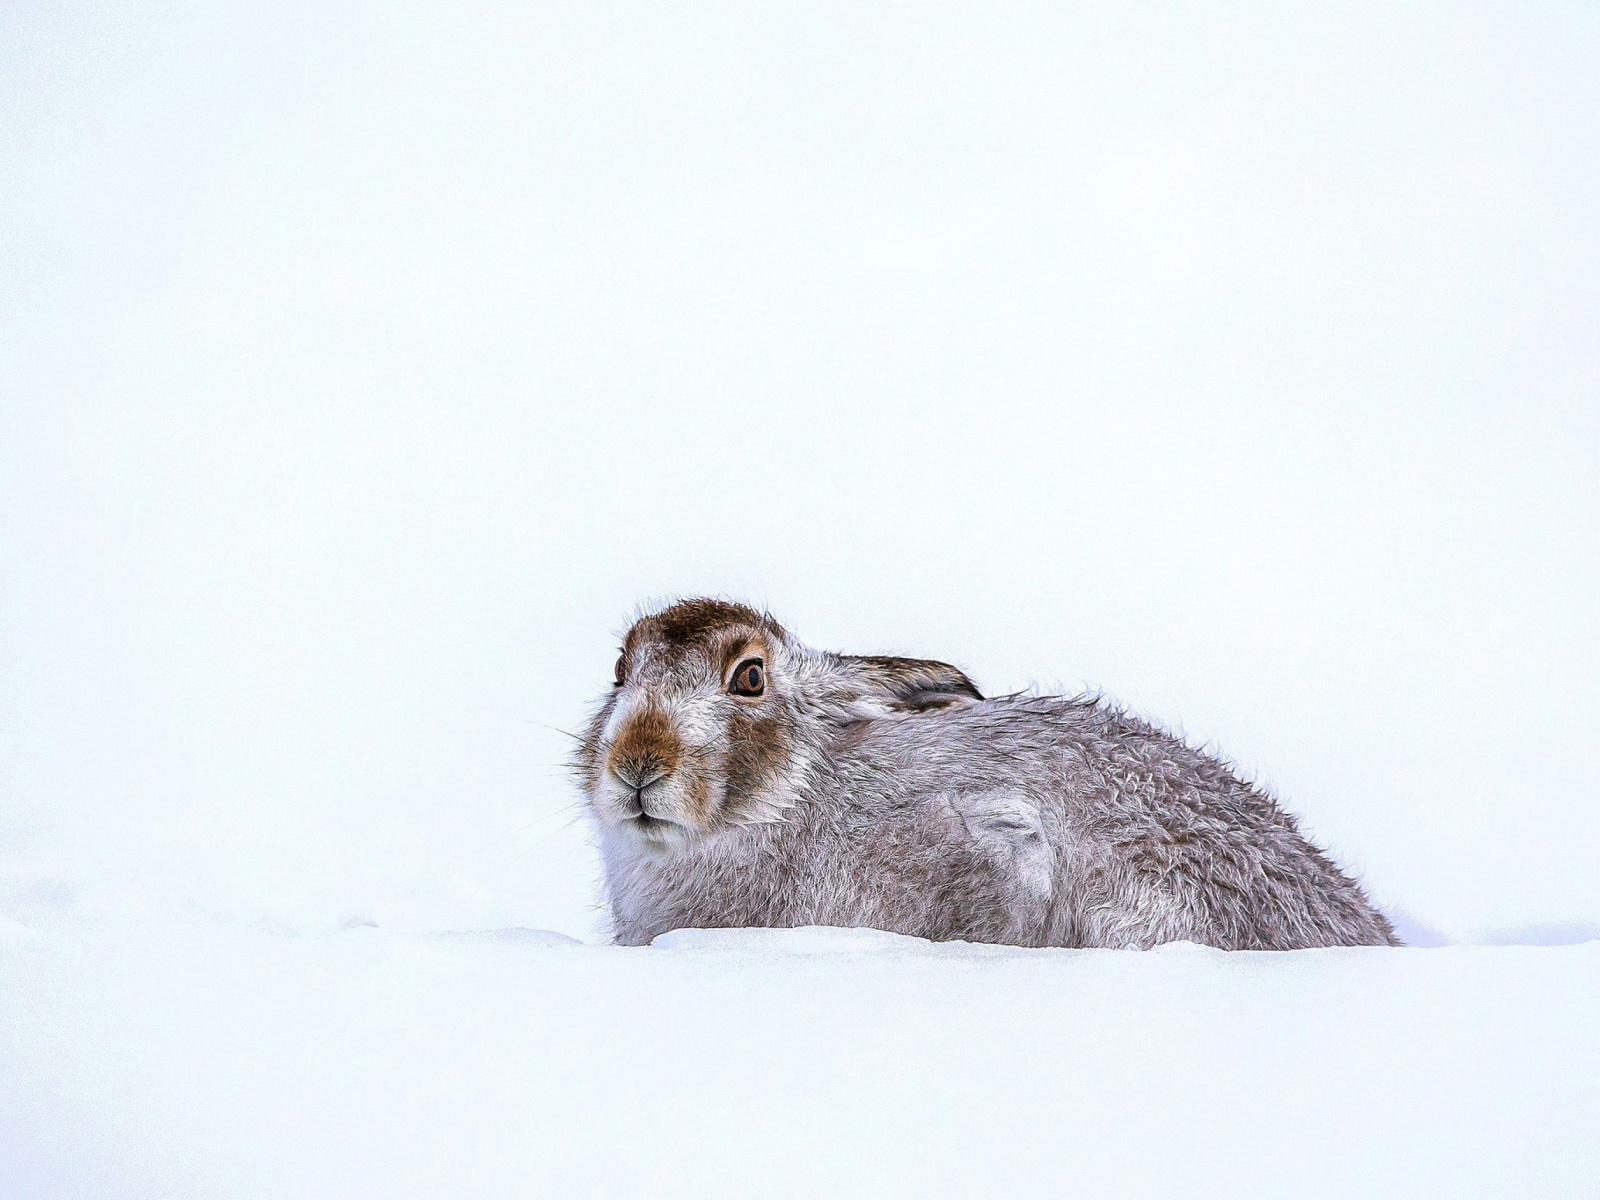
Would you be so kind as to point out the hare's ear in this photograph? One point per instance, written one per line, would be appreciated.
(911, 685)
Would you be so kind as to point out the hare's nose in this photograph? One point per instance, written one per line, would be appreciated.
(639, 774)
(647, 749)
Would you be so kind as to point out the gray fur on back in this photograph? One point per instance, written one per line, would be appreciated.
(893, 797)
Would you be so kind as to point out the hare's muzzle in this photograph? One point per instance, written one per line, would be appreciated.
(646, 752)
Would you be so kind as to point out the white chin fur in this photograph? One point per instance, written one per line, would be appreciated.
(653, 836)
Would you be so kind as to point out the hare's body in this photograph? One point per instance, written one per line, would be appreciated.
(884, 793)
(1024, 821)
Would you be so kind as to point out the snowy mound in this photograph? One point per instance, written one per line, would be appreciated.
(179, 1057)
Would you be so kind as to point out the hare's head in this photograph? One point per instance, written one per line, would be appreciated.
(717, 716)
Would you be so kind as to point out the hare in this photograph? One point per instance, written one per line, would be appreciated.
(740, 778)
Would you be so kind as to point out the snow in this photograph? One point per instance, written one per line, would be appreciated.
(364, 366)
(183, 1056)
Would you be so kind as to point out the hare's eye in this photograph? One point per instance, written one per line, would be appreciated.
(748, 678)
(619, 673)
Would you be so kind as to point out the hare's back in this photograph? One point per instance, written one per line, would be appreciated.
(1086, 762)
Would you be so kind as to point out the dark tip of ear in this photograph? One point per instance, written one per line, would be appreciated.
(934, 701)
(914, 684)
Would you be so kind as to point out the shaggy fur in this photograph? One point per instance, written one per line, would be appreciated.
(887, 792)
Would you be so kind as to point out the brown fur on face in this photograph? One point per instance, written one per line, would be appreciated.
(648, 748)
(696, 624)
(759, 749)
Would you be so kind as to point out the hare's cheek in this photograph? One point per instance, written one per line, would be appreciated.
(759, 753)
(699, 799)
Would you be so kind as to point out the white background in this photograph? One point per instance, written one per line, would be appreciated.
(362, 373)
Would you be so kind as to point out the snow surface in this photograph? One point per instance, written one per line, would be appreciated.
(181, 1056)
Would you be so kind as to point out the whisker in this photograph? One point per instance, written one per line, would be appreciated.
(577, 737)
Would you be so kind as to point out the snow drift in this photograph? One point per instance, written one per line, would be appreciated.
(166, 1056)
